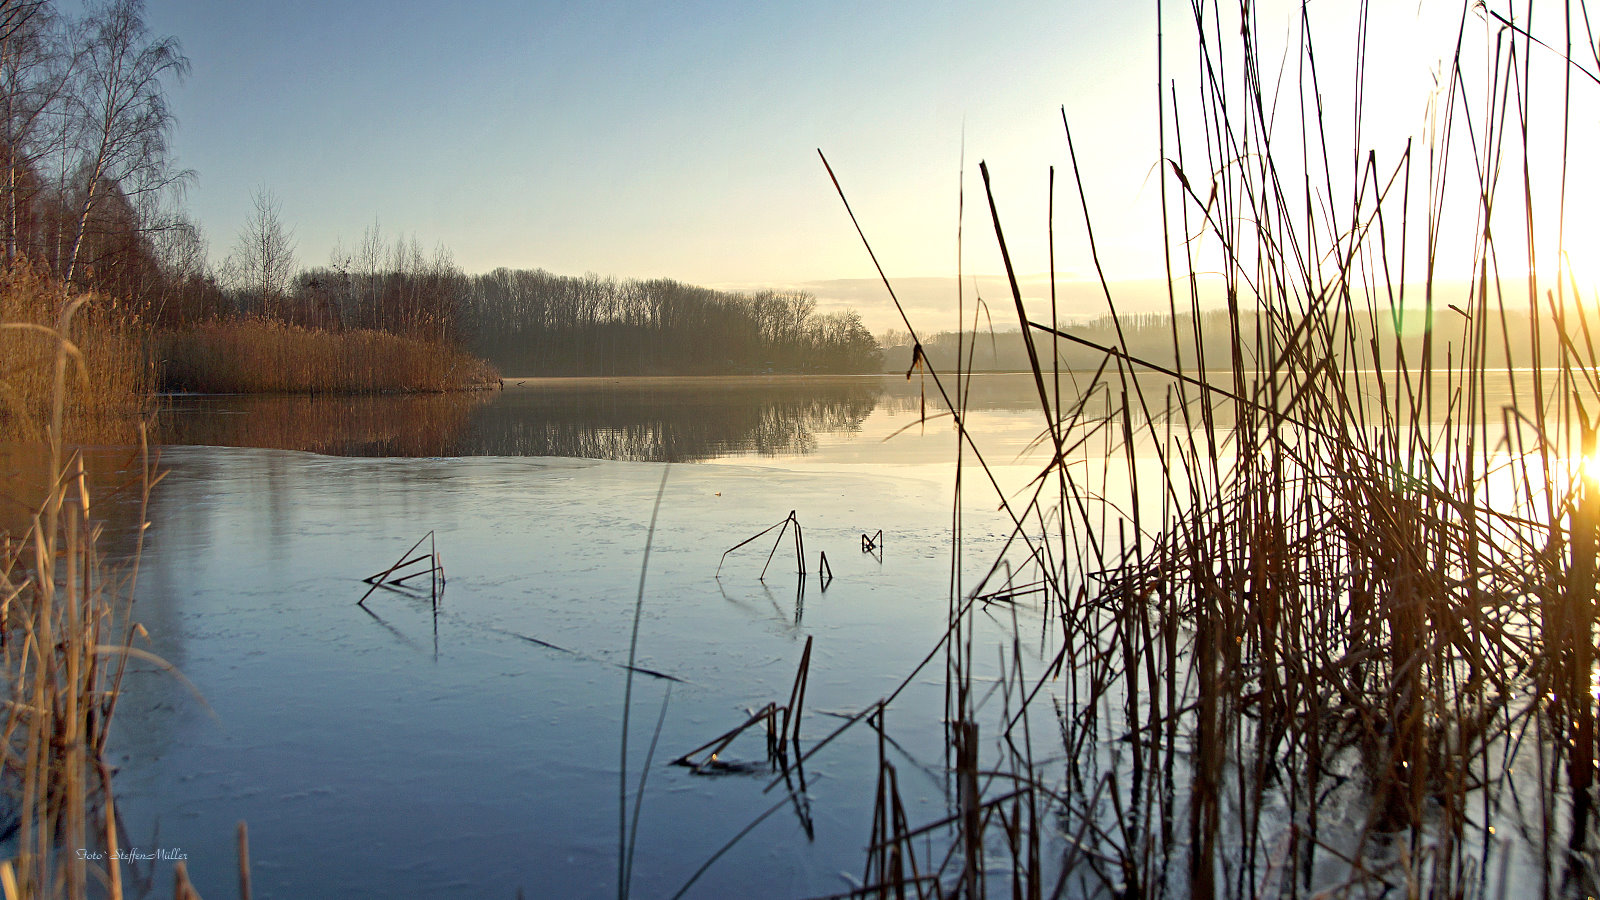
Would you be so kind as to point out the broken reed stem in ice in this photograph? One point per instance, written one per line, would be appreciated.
(626, 841)
(869, 543)
(244, 860)
(782, 528)
(397, 575)
(782, 724)
(713, 748)
(797, 697)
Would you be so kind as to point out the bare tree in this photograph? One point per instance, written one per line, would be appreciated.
(35, 67)
(122, 110)
(16, 15)
(187, 288)
(261, 265)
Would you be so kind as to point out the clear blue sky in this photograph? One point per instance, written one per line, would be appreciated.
(635, 139)
(680, 140)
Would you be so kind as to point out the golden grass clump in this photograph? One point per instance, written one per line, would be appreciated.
(259, 356)
(65, 638)
(107, 366)
(62, 659)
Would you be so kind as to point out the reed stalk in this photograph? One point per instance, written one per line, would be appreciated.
(1366, 610)
(64, 629)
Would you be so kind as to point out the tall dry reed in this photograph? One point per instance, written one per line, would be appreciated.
(65, 639)
(1345, 644)
(111, 378)
(259, 356)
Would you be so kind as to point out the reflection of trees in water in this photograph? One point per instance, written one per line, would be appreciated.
(671, 422)
(649, 420)
(412, 425)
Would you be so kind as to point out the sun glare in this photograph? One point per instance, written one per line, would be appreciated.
(1580, 272)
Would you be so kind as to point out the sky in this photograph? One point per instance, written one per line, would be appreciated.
(681, 140)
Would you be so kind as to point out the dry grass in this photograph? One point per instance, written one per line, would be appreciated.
(108, 372)
(256, 356)
(64, 643)
(1346, 645)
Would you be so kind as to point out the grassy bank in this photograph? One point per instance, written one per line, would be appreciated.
(256, 356)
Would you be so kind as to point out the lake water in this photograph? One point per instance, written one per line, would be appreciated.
(474, 749)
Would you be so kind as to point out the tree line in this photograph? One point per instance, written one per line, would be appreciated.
(538, 323)
(532, 322)
(90, 192)
(91, 195)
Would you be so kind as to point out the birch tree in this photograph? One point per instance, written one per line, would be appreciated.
(35, 66)
(261, 265)
(122, 111)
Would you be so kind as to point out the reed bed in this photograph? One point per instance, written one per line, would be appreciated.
(66, 644)
(65, 640)
(111, 378)
(1345, 643)
(262, 356)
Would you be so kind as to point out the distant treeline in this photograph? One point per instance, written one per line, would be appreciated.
(91, 201)
(532, 322)
(1154, 337)
(536, 323)
(1146, 336)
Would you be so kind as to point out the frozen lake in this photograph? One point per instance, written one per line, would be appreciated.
(472, 746)
(473, 750)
